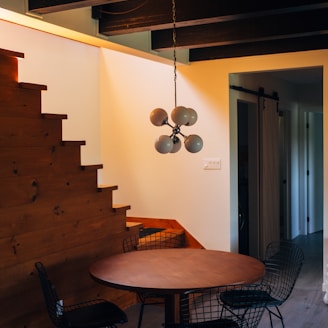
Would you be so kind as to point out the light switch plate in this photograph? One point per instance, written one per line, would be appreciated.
(213, 163)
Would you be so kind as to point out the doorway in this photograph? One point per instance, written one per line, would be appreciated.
(295, 156)
(248, 172)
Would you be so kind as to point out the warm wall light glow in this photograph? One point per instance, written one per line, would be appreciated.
(40, 25)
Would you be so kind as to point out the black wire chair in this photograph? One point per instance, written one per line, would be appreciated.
(203, 307)
(89, 314)
(283, 262)
(157, 240)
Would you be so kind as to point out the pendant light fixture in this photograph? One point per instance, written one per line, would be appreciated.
(180, 115)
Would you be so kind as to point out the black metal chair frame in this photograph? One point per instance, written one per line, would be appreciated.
(88, 314)
(204, 308)
(283, 262)
(157, 240)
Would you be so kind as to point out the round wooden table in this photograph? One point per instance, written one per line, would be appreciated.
(173, 271)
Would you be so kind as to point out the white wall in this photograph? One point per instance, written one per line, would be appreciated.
(162, 186)
(176, 186)
(165, 186)
(71, 72)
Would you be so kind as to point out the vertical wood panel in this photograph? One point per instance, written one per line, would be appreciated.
(269, 179)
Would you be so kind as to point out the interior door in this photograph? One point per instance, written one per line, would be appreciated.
(258, 174)
(269, 172)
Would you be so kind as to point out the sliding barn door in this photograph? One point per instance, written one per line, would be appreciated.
(258, 172)
(269, 172)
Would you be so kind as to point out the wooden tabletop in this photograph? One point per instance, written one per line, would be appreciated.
(172, 271)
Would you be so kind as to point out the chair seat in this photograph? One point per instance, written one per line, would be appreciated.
(150, 298)
(101, 314)
(246, 299)
(97, 313)
(219, 323)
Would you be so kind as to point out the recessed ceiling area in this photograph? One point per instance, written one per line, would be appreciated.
(205, 30)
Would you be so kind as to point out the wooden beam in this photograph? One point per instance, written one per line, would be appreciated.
(260, 48)
(51, 6)
(245, 30)
(140, 15)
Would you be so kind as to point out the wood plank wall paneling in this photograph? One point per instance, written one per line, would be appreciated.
(29, 132)
(41, 160)
(21, 190)
(51, 208)
(26, 218)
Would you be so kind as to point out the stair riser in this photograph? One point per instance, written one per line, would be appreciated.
(48, 160)
(19, 102)
(17, 132)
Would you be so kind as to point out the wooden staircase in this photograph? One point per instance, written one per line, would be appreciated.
(51, 208)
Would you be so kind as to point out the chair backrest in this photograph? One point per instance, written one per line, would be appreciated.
(283, 262)
(244, 306)
(54, 307)
(162, 239)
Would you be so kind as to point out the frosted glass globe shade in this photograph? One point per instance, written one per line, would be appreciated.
(158, 116)
(192, 117)
(193, 143)
(164, 144)
(180, 115)
(176, 145)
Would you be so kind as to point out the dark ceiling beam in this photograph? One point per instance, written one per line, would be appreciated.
(51, 6)
(245, 30)
(260, 48)
(147, 15)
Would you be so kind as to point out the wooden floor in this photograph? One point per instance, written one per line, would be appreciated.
(304, 308)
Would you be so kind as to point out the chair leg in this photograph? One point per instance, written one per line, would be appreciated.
(271, 325)
(142, 306)
(280, 317)
(277, 315)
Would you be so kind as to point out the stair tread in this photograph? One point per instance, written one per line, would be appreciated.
(32, 86)
(133, 224)
(10, 53)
